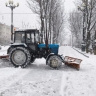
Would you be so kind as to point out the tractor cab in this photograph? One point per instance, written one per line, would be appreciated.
(29, 37)
(26, 36)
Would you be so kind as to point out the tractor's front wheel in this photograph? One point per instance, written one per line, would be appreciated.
(54, 61)
(20, 56)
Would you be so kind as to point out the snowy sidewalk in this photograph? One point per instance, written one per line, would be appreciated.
(79, 50)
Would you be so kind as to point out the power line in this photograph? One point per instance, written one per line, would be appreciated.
(20, 13)
(37, 14)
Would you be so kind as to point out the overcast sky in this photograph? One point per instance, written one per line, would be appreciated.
(19, 18)
(28, 19)
(69, 5)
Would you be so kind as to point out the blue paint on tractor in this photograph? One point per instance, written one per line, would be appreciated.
(54, 47)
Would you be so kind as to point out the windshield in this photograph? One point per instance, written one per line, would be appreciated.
(19, 37)
(26, 37)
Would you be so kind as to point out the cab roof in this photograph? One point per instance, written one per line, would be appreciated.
(27, 30)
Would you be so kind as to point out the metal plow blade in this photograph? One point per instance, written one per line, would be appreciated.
(72, 62)
(4, 56)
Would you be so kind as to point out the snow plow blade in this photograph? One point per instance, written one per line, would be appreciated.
(4, 56)
(72, 62)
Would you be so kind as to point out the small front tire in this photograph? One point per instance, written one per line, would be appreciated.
(54, 61)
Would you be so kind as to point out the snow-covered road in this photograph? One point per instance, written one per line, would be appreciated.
(40, 80)
(79, 83)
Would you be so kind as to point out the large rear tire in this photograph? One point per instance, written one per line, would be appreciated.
(20, 56)
(54, 61)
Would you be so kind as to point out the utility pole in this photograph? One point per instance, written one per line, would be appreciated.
(12, 6)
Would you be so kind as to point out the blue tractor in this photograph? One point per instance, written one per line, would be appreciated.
(27, 47)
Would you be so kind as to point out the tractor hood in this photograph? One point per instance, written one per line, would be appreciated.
(54, 47)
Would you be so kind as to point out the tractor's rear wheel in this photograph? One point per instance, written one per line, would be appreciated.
(20, 56)
(54, 61)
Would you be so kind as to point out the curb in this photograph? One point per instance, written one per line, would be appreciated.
(81, 53)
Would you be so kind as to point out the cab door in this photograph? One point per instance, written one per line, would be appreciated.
(30, 41)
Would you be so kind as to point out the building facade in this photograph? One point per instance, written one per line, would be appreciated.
(5, 34)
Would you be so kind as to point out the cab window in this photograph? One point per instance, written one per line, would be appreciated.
(32, 37)
(28, 39)
(18, 37)
(36, 37)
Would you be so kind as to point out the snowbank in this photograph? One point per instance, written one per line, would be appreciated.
(3, 50)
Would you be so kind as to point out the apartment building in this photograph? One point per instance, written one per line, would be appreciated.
(5, 34)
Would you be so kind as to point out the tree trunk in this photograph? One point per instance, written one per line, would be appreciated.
(88, 42)
(42, 29)
(94, 50)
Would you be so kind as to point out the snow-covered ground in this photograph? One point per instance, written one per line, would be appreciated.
(40, 80)
(3, 50)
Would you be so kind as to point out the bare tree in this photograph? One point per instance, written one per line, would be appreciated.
(90, 21)
(75, 24)
(51, 17)
(58, 23)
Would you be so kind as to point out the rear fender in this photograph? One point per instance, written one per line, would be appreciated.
(15, 45)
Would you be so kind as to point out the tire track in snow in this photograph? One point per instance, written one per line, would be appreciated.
(7, 83)
(47, 84)
(64, 86)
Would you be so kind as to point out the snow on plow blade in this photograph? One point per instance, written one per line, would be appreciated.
(72, 62)
(4, 56)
